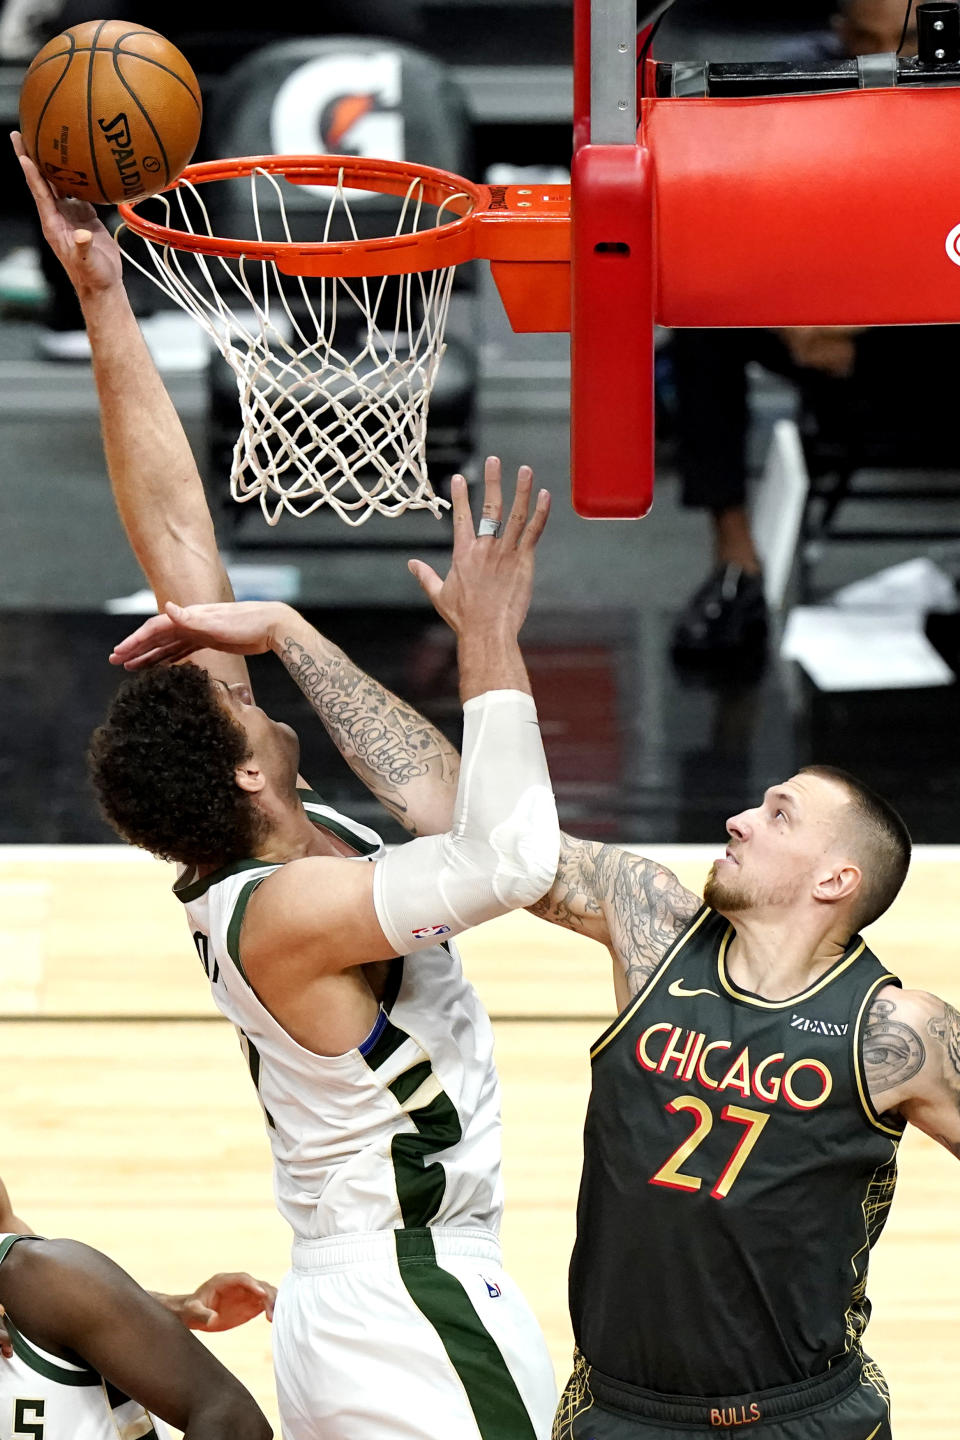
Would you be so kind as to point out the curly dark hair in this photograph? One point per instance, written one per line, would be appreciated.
(163, 763)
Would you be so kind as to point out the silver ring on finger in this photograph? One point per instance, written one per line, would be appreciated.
(490, 527)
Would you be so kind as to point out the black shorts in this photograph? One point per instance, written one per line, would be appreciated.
(848, 1403)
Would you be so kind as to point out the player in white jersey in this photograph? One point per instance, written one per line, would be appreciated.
(94, 1357)
(378, 1086)
(372, 1055)
(401, 1242)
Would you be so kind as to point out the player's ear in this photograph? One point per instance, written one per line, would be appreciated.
(250, 777)
(839, 883)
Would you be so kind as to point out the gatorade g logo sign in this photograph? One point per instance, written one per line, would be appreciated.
(953, 245)
(341, 104)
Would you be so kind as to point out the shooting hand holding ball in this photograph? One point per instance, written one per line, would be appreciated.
(80, 241)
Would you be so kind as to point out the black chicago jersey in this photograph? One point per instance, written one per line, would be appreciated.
(735, 1177)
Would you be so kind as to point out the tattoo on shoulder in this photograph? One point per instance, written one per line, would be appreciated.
(893, 1051)
(946, 1028)
(644, 906)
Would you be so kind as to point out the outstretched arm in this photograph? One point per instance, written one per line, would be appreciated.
(74, 1301)
(162, 504)
(156, 484)
(632, 905)
(911, 1052)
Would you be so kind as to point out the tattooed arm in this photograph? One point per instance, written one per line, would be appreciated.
(634, 906)
(157, 487)
(911, 1052)
(401, 758)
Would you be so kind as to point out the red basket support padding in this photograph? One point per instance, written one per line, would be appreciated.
(611, 357)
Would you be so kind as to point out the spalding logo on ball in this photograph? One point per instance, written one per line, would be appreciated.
(110, 111)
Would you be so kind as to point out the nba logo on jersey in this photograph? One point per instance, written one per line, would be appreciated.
(426, 932)
(493, 1290)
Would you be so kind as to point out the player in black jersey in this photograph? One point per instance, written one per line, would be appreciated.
(742, 1131)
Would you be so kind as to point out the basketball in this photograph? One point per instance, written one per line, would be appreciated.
(110, 111)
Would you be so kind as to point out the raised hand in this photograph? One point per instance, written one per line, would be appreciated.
(490, 579)
(80, 241)
(244, 628)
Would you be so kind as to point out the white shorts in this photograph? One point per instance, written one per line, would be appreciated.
(408, 1335)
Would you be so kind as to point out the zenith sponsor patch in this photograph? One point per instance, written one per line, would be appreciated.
(818, 1027)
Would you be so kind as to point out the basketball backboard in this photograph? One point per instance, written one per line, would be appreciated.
(731, 195)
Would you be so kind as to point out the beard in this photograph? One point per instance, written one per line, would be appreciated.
(730, 894)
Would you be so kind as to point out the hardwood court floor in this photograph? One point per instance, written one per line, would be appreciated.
(130, 1122)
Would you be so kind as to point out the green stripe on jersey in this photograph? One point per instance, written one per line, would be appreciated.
(335, 827)
(496, 1402)
(236, 921)
(44, 1366)
(389, 1040)
(420, 1187)
(254, 1065)
(7, 1243)
(410, 1081)
(195, 888)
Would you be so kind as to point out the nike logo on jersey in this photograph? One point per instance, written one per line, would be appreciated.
(677, 989)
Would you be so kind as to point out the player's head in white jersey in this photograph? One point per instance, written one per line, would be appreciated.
(186, 766)
(821, 843)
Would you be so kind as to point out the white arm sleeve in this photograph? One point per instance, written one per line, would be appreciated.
(504, 846)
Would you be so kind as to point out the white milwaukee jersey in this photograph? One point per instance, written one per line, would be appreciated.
(401, 1132)
(45, 1398)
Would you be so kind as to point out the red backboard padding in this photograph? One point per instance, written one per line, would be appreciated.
(812, 210)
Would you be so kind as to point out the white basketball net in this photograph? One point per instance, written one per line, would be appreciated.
(319, 426)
